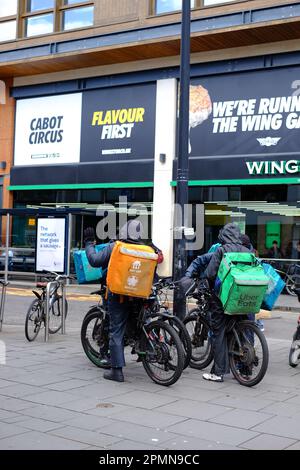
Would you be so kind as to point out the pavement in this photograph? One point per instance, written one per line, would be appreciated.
(53, 398)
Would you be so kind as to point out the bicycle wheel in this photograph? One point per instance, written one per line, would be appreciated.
(198, 329)
(95, 336)
(33, 320)
(292, 283)
(248, 353)
(55, 314)
(162, 353)
(294, 354)
(184, 336)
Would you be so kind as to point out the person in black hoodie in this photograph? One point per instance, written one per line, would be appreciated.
(230, 239)
(131, 232)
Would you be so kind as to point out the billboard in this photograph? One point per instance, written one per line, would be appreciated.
(51, 244)
(118, 123)
(245, 114)
(48, 130)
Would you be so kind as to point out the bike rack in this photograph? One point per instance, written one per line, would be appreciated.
(2, 303)
(63, 323)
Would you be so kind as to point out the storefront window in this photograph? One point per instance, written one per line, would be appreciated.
(8, 8)
(34, 5)
(164, 6)
(8, 30)
(268, 214)
(41, 24)
(78, 18)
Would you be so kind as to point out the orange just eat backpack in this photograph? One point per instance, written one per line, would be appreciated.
(131, 269)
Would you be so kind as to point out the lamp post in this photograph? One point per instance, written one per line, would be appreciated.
(180, 258)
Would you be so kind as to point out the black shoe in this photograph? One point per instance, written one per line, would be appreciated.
(114, 374)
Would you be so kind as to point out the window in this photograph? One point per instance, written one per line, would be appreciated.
(35, 5)
(215, 2)
(49, 16)
(72, 2)
(78, 17)
(8, 30)
(8, 8)
(164, 6)
(37, 25)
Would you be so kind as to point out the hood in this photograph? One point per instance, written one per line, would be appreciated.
(132, 230)
(230, 233)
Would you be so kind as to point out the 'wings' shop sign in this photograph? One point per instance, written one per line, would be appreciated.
(249, 122)
(93, 126)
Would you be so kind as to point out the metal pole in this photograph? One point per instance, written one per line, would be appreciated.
(4, 284)
(49, 285)
(63, 297)
(70, 221)
(7, 247)
(182, 198)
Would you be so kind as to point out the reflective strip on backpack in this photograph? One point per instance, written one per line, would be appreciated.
(249, 282)
(138, 254)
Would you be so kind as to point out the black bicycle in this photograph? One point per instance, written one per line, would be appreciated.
(247, 346)
(36, 314)
(151, 337)
(294, 354)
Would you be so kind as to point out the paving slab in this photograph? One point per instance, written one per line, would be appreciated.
(213, 432)
(84, 436)
(155, 419)
(138, 433)
(39, 441)
(268, 442)
(194, 409)
(142, 399)
(280, 426)
(244, 419)
(190, 443)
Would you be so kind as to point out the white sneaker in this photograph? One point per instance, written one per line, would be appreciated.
(213, 377)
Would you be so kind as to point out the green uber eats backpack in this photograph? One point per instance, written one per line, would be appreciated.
(243, 283)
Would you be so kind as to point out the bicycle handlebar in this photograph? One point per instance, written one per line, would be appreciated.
(59, 277)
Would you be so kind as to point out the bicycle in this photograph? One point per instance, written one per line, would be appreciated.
(291, 276)
(148, 332)
(36, 314)
(294, 354)
(247, 346)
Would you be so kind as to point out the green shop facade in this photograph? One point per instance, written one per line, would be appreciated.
(84, 143)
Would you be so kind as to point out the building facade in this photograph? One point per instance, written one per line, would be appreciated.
(89, 109)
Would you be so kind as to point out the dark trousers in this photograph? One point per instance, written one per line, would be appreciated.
(219, 340)
(118, 314)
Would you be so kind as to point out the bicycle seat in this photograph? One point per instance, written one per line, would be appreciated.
(41, 285)
(96, 292)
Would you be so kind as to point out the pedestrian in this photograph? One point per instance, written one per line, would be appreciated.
(275, 252)
(230, 239)
(119, 307)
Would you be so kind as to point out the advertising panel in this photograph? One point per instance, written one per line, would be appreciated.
(51, 244)
(118, 123)
(48, 130)
(248, 122)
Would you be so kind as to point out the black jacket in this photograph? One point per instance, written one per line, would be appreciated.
(229, 237)
(198, 266)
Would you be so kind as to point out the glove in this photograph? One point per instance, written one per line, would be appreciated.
(89, 235)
